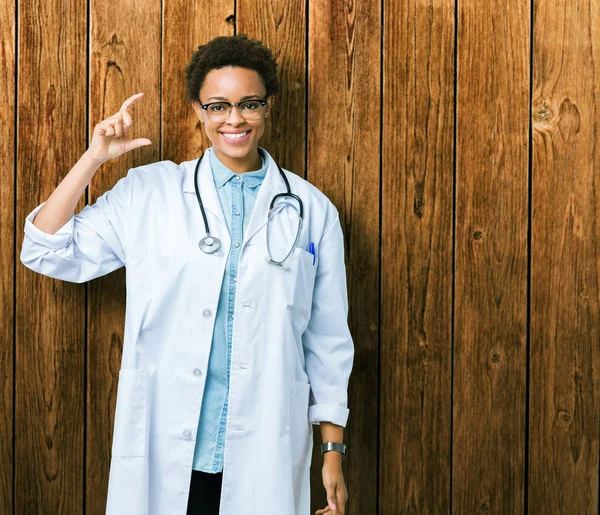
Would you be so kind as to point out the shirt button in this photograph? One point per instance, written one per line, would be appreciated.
(237, 177)
(187, 434)
(206, 313)
(231, 316)
(235, 279)
(197, 372)
(237, 244)
(237, 214)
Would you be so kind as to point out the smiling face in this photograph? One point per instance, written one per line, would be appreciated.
(234, 84)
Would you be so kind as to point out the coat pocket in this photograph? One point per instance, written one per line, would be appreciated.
(300, 430)
(129, 435)
(300, 282)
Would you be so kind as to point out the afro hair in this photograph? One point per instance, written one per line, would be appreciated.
(236, 50)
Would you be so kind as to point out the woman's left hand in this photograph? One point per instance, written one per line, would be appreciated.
(333, 480)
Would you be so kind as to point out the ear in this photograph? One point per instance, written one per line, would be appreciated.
(198, 110)
(270, 102)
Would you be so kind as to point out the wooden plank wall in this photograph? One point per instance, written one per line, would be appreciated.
(7, 248)
(460, 142)
(50, 316)
(565, 255)
(490, 296)
(415, 364)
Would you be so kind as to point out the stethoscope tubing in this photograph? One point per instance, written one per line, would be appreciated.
(206, 244)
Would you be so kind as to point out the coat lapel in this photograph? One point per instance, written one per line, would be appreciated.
(271, 185)
(206, 185)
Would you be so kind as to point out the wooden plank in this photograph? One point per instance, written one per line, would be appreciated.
(563, 466)
(344, 70)
(50, 315)
(416, 264)
(8, 256)
(281, 26)
(183, 137)
(125, 43)
(491, 257)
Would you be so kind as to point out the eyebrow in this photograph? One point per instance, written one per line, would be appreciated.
(243, 98)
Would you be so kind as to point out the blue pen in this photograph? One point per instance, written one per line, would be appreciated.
(311, 249)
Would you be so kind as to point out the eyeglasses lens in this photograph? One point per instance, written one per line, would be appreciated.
(249, 110)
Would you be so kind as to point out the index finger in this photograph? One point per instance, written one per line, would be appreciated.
(130, 101)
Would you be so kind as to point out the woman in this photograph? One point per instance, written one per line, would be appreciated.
(235, 344)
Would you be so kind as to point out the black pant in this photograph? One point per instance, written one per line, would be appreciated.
(205, 493)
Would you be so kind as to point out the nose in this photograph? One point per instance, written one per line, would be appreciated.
(235, 117)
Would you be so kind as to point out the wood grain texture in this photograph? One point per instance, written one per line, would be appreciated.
(563, 443)
(344, 163)
(416, 265)
(126, 54)
(281, 26)
(8, 257)
(490, 358)
(187, 25)
(50, 314)
(463, 281)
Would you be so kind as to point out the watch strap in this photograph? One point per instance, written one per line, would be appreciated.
(334, 446)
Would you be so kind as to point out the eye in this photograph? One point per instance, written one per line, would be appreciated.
(217, 108)
(250, 105)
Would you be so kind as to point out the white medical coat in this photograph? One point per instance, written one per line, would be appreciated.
(292, 352)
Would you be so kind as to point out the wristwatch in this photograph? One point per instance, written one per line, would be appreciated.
(334, 446)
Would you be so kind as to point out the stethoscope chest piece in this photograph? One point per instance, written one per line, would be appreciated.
(209, 244)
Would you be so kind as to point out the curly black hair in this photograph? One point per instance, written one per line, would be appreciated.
(224, 51)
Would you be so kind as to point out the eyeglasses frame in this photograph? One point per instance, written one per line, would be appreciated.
(262, 103)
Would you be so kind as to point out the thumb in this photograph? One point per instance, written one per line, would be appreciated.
(331, 498)
(136, 143)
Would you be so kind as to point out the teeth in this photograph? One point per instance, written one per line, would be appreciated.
(235, 136)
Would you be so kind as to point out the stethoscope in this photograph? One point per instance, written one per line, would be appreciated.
(210, 244)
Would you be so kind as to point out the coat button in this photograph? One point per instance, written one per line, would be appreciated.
(206, 313)
(197, 372)
(187, 434)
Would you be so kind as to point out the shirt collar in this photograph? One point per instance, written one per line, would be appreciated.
(222, 174)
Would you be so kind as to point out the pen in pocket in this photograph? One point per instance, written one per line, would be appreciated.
(311, 249)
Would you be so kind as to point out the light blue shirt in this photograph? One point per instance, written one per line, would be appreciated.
(237, 194)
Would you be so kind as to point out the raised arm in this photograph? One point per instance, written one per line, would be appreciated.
(108, 142)
(80, 247)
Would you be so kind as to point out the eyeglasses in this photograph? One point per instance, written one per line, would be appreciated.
(249, 109)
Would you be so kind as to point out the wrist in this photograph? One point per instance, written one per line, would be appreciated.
(332, 457)
(91, 160)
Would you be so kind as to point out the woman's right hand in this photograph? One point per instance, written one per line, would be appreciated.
(109, 137)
